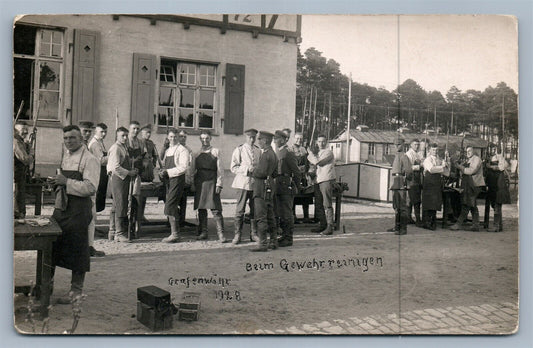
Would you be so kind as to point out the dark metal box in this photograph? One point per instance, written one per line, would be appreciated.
(153, 319)
(153, 296)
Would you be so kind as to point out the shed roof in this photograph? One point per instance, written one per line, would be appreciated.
(388, 137)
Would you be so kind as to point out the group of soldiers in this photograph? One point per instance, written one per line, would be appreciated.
(419, 180)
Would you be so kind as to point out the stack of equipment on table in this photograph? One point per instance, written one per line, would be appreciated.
(154, 309)
(189, 306)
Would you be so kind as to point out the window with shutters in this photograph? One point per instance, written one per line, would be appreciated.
(187, 94)
(37, 66)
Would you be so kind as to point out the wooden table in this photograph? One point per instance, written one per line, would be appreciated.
(38, 238)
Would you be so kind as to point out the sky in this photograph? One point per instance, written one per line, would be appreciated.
(438, 52)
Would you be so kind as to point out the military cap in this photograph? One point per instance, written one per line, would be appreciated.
(399, 140)
(265, 134)
(280, 134)
(147, 126)
(492, 145)
(86, 124)
(251, 132)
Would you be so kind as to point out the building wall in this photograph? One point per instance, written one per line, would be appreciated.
(270, 74)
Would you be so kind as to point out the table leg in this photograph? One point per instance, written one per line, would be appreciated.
(38, 200)
(338, 202)
(39, 275)
(444, 209)
(46, 281)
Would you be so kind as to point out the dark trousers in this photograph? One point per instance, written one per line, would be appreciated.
(284, 206)
(76, 282)
(497, 213)
(20, 197)
(183, 204)
(244, 196)
(320, 214)
(400, 202)
(266, 222)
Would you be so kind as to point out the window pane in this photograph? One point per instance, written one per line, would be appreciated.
(49, 76)
(56, 50)
(206, 99)
(164, 115)
(56, 37)
(45, 49)
(203, 80)
(186, 98)
(24, 40)
(48, 105)
(188, 73)
(186, 118)
(46, 36)
(166, 96)
(211, 81)
(205, 119)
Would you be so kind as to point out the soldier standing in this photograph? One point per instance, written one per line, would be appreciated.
(303, 166)
(471, 184)
(434, 167)
(287, 185)
(243, 161)
(263, 193)
(401, 171)
(208, 176)
(324, 160)
(498, 189)
(22, 160)
(414, 185)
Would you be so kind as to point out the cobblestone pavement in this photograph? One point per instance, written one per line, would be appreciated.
(495, 318)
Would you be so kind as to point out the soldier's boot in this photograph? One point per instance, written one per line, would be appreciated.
(202, 224)
(174, 232)
(262, 243)
(433, 225)
(459, 223)
(254, 237)
(404, 219)
(238, 230)
(287, 238)
(475, 222)
(486, 217)
(273, 241)
(418, 221)
(497, 224)
(219, 221)
(396, 223)
(330, 227)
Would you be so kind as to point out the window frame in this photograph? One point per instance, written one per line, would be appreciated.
(197, 87)
(37, 59)
(371, 149)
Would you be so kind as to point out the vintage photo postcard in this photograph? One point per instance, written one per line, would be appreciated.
(249, 174)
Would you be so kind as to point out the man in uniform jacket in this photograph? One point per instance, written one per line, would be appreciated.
(22, 160)
(263, 193)
(471, 184)
(149, 162)
(176, 165)
(324, 160)
(301, 154)
(401, 172)
(434, 167)
(119, 167)
(97, 148)
(244, 159)
(206, 167)
(414, 184)
(498, 188)
(78, 178)
(287, 185)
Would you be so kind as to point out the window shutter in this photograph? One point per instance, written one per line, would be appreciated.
(85, 75)
(143, 88)
(234, 105)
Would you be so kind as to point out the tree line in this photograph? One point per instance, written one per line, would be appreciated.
(322, 104)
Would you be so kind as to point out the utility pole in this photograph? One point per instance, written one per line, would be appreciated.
(349, 116)
(503, 123)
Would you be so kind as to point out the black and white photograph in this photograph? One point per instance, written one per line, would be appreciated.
(265, 174)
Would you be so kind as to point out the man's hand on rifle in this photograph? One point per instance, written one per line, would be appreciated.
(133, 172)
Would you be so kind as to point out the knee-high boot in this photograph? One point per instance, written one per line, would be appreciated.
(219, 221)
(238, 229)
(202, 224)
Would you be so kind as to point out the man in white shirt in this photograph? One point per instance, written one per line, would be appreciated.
(325, 177)
(244, 159)
(176, 162)
(79, 176)
(119, 165)
(97, 148)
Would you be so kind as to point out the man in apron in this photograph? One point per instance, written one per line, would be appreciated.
(434, 167)
(149, 163)
(97, 148)
(498, 189)
(471, 183)
(243, 160)
(208, 176)
(264, 188)
(135, 151)
(182, 139)
(176, 162)
(301, 154)
(414, 185)
(79, 177)
(120, 169)
(287, 185)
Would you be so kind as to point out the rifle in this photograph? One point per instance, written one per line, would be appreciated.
(33, 139)
(19, 111)
(447, 157)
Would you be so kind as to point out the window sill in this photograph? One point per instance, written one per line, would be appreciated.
(189, 131)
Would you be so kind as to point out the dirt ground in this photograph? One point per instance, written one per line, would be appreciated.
(364, 271)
